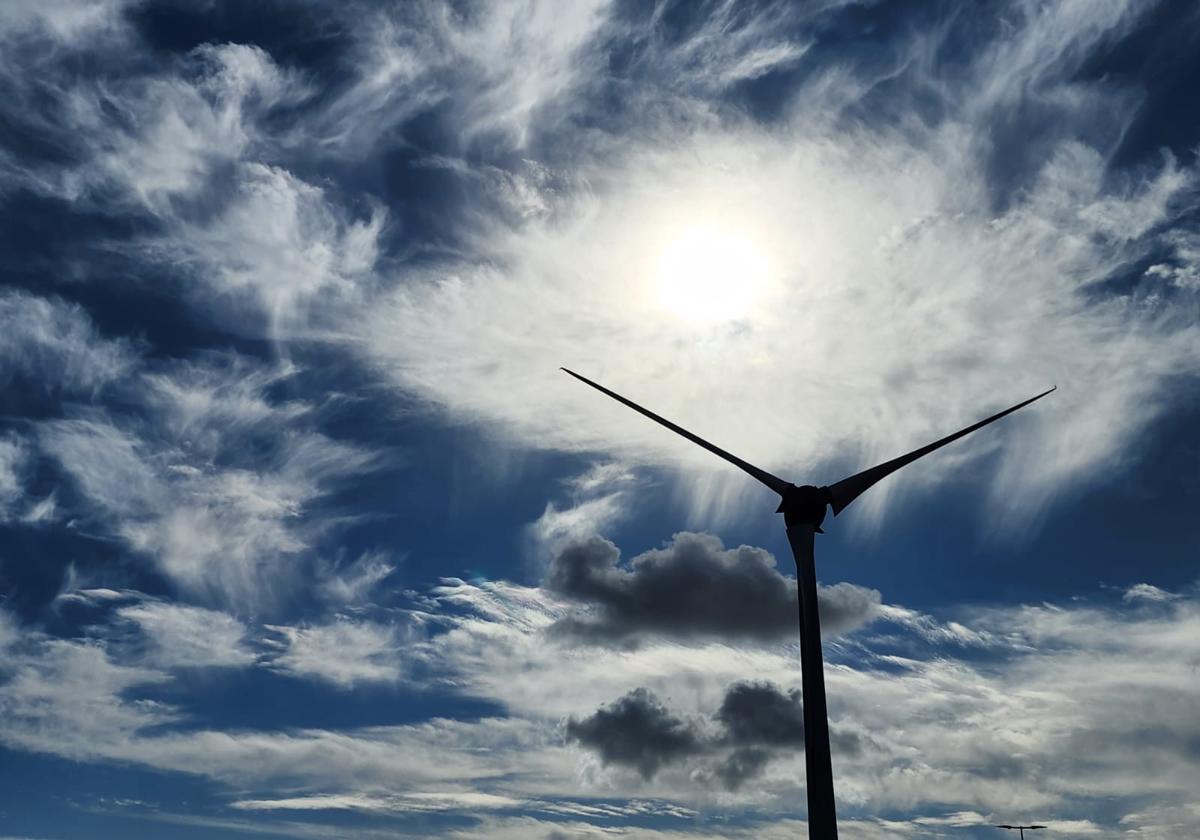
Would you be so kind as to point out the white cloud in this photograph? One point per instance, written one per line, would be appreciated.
(353, 582)
(725, 45)
(599, 498)
(10, 630)
(67, 22)
(1161, 823)
(16, 504)
(502, 70)
(1002, 304)
(180, 636)
(13, 454)
(1147, 592)
(344, 652)
(55, 344)
(399, 803)
(187, 147)
(178, 130)
(211, 482)
(277, 243)
(72, 687)
(872, 236)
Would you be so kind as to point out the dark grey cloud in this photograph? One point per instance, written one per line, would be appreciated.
(637, 731)
(758, 713)
(694, 587)
(740, 766)
(756, 722)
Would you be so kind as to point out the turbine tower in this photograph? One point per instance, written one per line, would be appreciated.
(1021, 828)
(803, 510)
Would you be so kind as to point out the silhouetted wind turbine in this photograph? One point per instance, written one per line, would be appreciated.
(803, 510)
(1020, 828)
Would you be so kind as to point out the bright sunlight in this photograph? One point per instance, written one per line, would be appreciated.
(708, 275)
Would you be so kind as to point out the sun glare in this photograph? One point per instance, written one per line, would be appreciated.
(706, 275)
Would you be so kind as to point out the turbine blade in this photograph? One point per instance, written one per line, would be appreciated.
(1006, 826)
(777, 484)
(849, 489)
(1028, 827)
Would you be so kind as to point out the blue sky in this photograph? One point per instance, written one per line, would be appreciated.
(303, 533)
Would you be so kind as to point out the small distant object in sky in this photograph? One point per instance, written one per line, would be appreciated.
(803, 509)
(1021, 828)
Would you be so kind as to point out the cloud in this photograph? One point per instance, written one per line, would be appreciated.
(189, 127)
(692, 588)
(755, 723)
(1037, 725)
(759, 714)
(54, 345)
(636, 731)
(181, 636)
(9, 630)
(74, 699)
(186, 153)
(344, 652)
(13, 455)
(401, 803)
(74, 687)
(935, 631)
(70, 23)
(207, 478)
(275, 246)
(1147, 592)
(495, 75)
(718, 48)
(353, 582)
(599, 498)
(157, 143)
(634, 131)
(874, 229)
(982, 713)
(968, 190)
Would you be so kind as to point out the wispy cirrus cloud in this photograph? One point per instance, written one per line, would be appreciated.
(62, 20)
(13, 454)
(343, 652)
(597, 499)
(54, 346)
(180, 636)
(1003, 262)
(205, 479)
(873, 232)
(498, 73)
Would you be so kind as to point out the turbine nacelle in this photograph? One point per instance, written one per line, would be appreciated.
(804, 505)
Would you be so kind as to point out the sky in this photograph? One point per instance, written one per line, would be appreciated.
(304, 534)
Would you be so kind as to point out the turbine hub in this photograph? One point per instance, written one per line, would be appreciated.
(804, 505)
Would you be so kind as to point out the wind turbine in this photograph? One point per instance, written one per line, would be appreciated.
(1021, 828)
(803, 510)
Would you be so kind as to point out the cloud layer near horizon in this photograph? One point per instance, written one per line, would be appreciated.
(689, 724)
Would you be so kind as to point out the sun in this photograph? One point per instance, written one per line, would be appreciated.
(708, 274)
